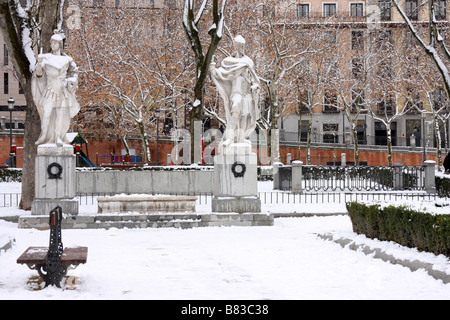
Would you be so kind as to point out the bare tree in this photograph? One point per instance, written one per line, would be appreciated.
(135, 71)
(192, 24)
(388, 97)
(313, 76)
(435, 48)
(24, 30)
(278, 53)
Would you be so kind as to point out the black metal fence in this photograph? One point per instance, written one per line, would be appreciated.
(273, 197)
(360, 178)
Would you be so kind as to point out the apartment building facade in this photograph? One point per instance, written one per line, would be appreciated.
(350, 23)
(360, 22)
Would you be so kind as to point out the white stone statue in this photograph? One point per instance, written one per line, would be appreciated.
(54, 83)
(238, 85)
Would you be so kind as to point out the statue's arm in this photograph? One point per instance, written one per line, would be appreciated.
(39, 70)
(72, 73)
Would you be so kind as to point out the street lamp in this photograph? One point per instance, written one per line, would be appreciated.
(424, 137)
(157, 113)
(10, 108)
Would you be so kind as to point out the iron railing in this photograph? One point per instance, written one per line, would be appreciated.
(360, 178)
(274, 197)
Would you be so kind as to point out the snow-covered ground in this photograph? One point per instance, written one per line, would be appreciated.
(285, 261)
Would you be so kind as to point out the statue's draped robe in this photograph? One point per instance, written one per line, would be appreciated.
(247, 103)
(50, 92)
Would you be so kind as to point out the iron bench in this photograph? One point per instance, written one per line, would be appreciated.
(35, 257)
(52, 262)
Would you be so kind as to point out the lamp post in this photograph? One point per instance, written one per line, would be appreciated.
(423, 137)
(10, 108)
(157, 113)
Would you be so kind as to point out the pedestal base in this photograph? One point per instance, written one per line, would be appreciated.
(55, 173)
(55, 180)
(235, 175)
(44, 206)
(235, 204)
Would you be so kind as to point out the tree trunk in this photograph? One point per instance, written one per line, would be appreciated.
(190, 25)
(32, 131)
(355, 146)
(12, 26)
(389, 144)
(123, 139)
(308, 140)
(438, 143)
(144, 142)
(273, 143)
(196, 113)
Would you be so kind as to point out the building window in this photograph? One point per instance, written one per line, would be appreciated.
(330, 68)
(356, 9)
(385, 106)
(5, 83)
(357, 40)
(361, 131)
(330, 132)
(21, 89)
(385, 10)
(385, 68)
(302, 10)
(268, 11)
(330, 37)
(357, 68)
(382, 39)
(358, 100)
(303, 102)
(440, 9)
(329, 9)
(330, 102)
(440, 100)
(381, 134)
(304, 124)
(413, 102)
(411, 9)
(5, 55)
(413, 127)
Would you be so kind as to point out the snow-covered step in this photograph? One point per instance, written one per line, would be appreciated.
(175, 220)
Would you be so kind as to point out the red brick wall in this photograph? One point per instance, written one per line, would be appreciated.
(374, 158)
(318, 157)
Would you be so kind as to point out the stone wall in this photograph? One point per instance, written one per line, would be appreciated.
(145, 181)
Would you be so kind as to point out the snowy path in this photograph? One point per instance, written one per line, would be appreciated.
(286, 261)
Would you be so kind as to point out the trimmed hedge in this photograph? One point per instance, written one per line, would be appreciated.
(10, 175)
(443, 186)
(424, 231)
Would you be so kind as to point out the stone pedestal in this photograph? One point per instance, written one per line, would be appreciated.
(55, 180)
(236, 204)
(236, 181)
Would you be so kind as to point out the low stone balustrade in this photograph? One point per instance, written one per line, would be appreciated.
(146, 204)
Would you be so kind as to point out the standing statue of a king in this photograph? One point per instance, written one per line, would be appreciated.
(238, 85)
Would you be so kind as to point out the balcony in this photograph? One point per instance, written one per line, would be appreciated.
(319, 17)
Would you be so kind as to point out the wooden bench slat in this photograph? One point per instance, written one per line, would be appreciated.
(33, 255)
(36, 255)
(74, 255)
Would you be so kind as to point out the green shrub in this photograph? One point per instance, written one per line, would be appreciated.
(424, 231)
(10, 175)
(442, 186)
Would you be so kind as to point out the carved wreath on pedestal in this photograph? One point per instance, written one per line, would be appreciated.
(51, 173)
(238, 169)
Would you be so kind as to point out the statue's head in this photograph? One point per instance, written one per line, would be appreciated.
(56, 42)
(239, 44)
